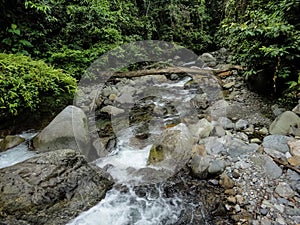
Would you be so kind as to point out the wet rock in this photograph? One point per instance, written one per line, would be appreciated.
(173, 149)
(10, 141)
(284, 190)
(276, 142)
(283, 123)
(51, 188)
(68, 130)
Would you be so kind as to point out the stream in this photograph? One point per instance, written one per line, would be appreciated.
(127, 164)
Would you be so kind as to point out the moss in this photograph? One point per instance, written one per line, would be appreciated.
(156, 154)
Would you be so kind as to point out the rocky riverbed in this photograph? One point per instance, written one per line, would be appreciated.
(208, 149)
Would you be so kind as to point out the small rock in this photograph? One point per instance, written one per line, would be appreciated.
(231, 199)
(199, 166)
(294, 147)
(112, 97)
(111, 110)
(264, 211)
(240, 199)
(235, 174)
(216, 167)
(263, 131)
(218, 131)
(229, 85)
(226, 182)
(201, 129)
(226, 123)
(241, 124)
(199, 150)
(294, 160)
(237, 208)
(284, 190)
(255, 140)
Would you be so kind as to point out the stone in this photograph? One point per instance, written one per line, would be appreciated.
(226, 182)
(231, 199)
(229, 85)
(208, 58)
(68, 130)
(263, 131)
(199, 166)
(255, 140)
(297, 108)
(218, 131)
(284, 190)
(226, 123)
(51, 188)
(237, 147)
(199, 150)
(112, 97)
(10, 141)
(214, 145)
(283, 123)
(294, 147)
(294, 160)
(276, 142)
(268, 167)
(241, 124)
(112, 110)
(201, 129)
(216, 167)
(200, 101)
(173, 149)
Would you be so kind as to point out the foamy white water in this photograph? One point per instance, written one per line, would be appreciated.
(17, 154)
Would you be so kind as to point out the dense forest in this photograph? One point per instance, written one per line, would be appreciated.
(46, 45)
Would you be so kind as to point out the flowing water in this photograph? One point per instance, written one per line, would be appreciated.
(128, 166)
(18, 153)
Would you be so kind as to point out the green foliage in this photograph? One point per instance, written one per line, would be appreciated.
(25, 84)
(263, 35)
(15, 42)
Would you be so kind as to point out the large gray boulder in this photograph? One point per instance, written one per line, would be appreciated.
(51, 188)
(173, 149)
(285, 123)
(69, 129)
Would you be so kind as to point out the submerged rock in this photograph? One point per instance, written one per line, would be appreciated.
(51, 188)
(10, 141)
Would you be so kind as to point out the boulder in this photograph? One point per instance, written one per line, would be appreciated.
(208, 58)
(68, 130)
(10, 141)
(51, 188)
(173, 149)
(284, 123)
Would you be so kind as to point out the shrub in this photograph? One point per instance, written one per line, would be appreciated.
(29, 85)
